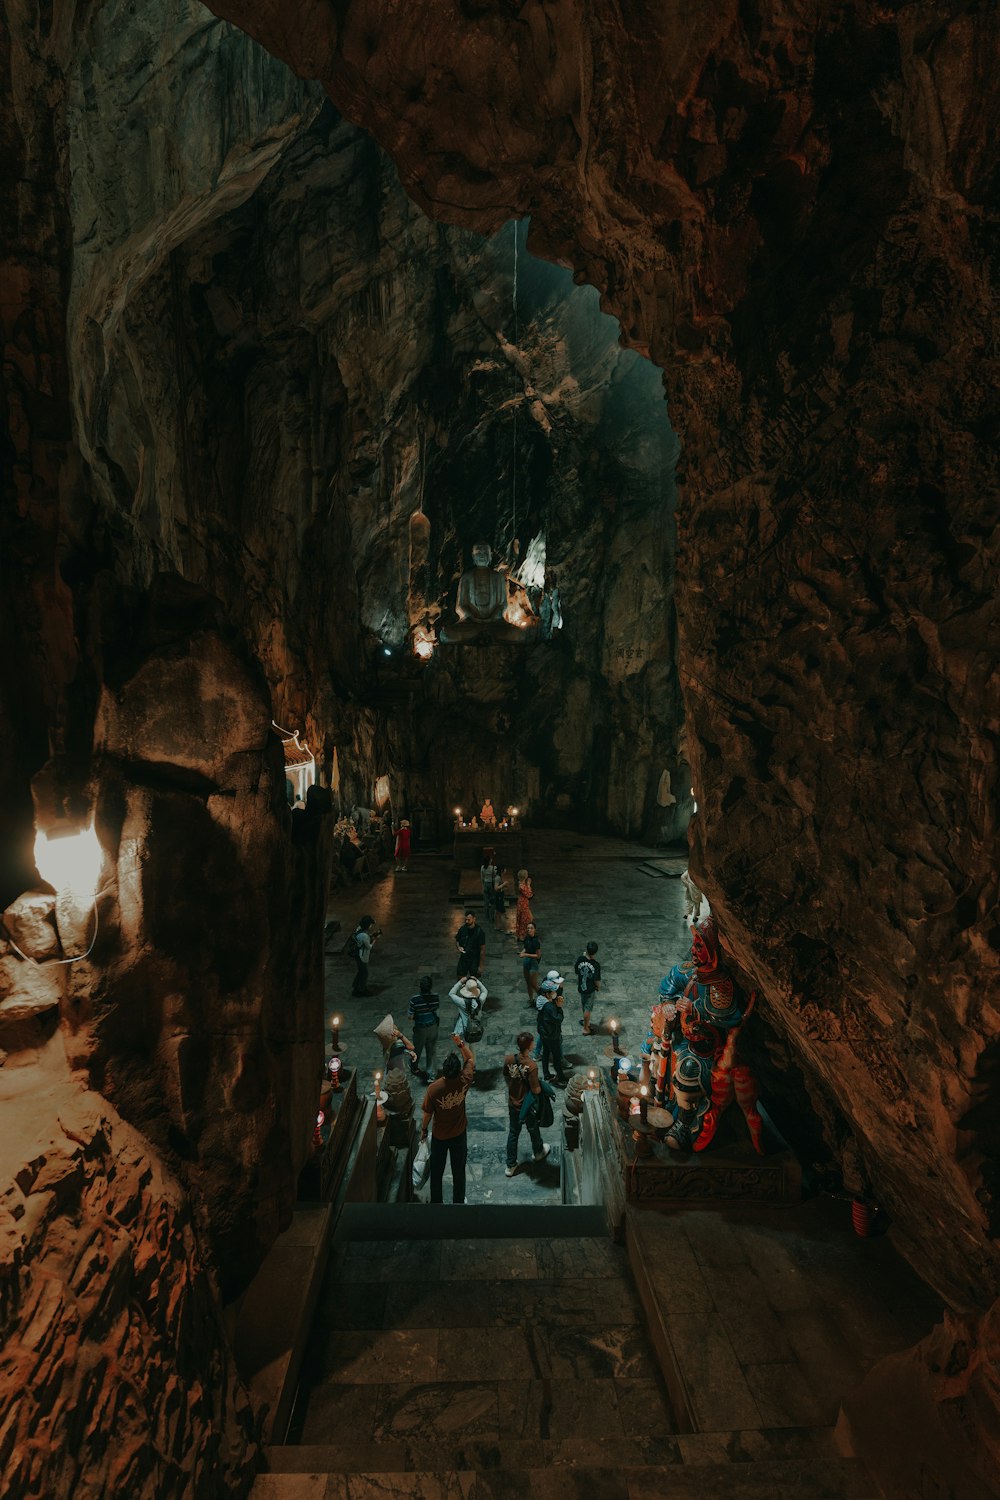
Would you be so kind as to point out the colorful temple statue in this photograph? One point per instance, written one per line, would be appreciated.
(487, 816)
(691, 1054)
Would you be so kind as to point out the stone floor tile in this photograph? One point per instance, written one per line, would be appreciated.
(411, 1486)
(370, 1358)
(500, 1354)
(580, 1259)
(551, 1484)
(441, 1305)
(574, 1353)
(716, 1386)
(340, 1414)
(783, 1397)
(495, 1260)
(561, 1410)
(442, 1411)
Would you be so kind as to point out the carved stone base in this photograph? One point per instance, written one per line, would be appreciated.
(729, 1169)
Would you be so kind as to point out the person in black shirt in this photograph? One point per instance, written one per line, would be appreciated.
(531, 957)
(550, 1020)
(471, 943)
(588, 982)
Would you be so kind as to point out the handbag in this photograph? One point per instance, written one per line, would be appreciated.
(421, 1165)
(546, 1114)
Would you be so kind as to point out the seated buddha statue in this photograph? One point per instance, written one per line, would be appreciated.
(481, 604)
(487, 816)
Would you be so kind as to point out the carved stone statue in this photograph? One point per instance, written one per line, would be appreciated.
(482, 604)
(487, 816)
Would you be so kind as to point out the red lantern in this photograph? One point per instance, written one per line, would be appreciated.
(861, 1218)
(318, 1132)
(333, 1067)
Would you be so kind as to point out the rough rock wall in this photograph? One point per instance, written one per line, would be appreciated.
(306, 371)
(793, 209)
(110, 1332)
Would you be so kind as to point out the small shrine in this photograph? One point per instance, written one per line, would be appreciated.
(300, 765)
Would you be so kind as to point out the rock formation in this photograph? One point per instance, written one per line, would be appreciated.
(228, 339)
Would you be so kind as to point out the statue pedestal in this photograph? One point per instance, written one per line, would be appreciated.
(470, 843)
(730, 1169)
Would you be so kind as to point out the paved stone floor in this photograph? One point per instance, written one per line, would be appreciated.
(585, 888)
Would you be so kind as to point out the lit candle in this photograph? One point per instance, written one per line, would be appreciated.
(378, 1084)
(616, 1049)
(592, 1077)
(643, 1103)
(335, 1034)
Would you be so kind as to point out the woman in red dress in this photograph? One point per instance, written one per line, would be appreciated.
(524, 896)
(403, 845)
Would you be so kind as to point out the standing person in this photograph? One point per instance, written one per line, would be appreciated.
(403, 845)
(692, 900)
(550, 1022)
(588, 982)
(489, 875)
(531, 956)
(470, 996)
(500, 901)
(424, 1008)
(470, 940)
(525, 894)
(520, 1073)
(361, 943)
(444, 1104)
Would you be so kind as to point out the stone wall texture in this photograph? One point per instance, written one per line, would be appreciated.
(236, 358)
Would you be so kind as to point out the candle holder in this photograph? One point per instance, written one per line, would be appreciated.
(335, 1034)
(615, 1039)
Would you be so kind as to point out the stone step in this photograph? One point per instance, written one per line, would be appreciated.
(781, 1479)
(743, 1450)
(469, 1221)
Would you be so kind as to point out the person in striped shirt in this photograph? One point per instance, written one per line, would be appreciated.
(424, 1010)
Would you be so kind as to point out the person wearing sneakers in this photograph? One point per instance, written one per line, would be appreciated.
(550, 1023)
(520, 1073)
(588, 982)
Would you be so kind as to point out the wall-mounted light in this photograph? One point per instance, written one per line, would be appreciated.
(386, 650)
(69, 860)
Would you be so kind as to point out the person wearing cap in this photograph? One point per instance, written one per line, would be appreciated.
(550, 1020)
(470, 997)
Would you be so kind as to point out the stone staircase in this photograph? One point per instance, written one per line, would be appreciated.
(515, 1361)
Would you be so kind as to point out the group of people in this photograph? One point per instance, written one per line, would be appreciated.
(444, 1119)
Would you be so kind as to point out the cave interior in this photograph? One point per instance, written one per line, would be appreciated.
(687, 314)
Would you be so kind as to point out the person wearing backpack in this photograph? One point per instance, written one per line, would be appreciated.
(359, 947)
(550, 1022)
(520, 1073)
(588, 982)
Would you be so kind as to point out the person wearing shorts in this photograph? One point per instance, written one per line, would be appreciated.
(588, 982)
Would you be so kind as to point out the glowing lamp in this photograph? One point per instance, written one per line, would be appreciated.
(335, 1034)
(333, 1067)
(70, 861)
(643, 1103)
(386, 650)
(320, 1118)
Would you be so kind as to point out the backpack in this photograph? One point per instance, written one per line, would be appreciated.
(353, 947)
(546, 1114)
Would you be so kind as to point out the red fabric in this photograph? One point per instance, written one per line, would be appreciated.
(403, 844)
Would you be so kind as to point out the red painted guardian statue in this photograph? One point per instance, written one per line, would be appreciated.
(692, 1049)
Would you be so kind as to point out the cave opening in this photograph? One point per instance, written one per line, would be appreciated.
(346, 558)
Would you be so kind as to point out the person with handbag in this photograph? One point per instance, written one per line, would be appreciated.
(444, 1105)
(524, 1087)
